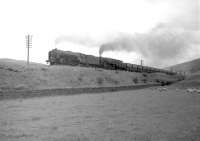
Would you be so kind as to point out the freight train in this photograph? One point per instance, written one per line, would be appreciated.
(59, 57)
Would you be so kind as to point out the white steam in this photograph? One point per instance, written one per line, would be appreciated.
(162, 45)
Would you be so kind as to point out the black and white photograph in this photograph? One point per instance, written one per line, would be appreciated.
(99, 70)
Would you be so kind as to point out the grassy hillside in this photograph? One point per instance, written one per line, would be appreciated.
(16, 75)
(192, 69)
(189, 67)
(191, 81)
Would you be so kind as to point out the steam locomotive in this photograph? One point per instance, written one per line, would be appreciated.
(59, 57)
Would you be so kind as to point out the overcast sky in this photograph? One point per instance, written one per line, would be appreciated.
(85, 25)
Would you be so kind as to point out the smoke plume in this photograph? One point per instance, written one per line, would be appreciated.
(161, 45)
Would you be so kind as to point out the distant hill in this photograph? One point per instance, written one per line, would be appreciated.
(192, 68)
(191, 81)
(189, 67)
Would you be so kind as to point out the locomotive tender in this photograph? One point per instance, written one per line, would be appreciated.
(59, 57)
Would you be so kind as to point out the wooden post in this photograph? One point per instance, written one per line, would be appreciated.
(28, 45)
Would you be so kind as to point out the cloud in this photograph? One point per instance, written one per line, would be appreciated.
(83, 40)
(181, 13)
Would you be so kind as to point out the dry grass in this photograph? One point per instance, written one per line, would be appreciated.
(16, 75)
(139, 115)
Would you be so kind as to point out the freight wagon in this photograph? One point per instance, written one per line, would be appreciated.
(59, 57)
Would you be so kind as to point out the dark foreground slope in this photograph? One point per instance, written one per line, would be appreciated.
(139, 115)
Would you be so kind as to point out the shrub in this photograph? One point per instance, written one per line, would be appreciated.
(157, 80)
(144, 80)
(144, 75)
(135, 80)
(99, 80)
(163, 83)
(111, 80)
(80, 79)
(44, 69)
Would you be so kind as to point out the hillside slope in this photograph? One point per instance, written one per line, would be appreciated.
(191, 81)
(189, 67)
(192, 69)
(16, 75)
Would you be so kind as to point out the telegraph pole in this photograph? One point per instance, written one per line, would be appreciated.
(141, 62)
(28, 45)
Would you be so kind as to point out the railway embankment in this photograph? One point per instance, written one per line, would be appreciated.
(16, 76)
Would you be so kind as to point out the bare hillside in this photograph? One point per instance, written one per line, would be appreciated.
(189, 67)
(191, 81)
(192, 69)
